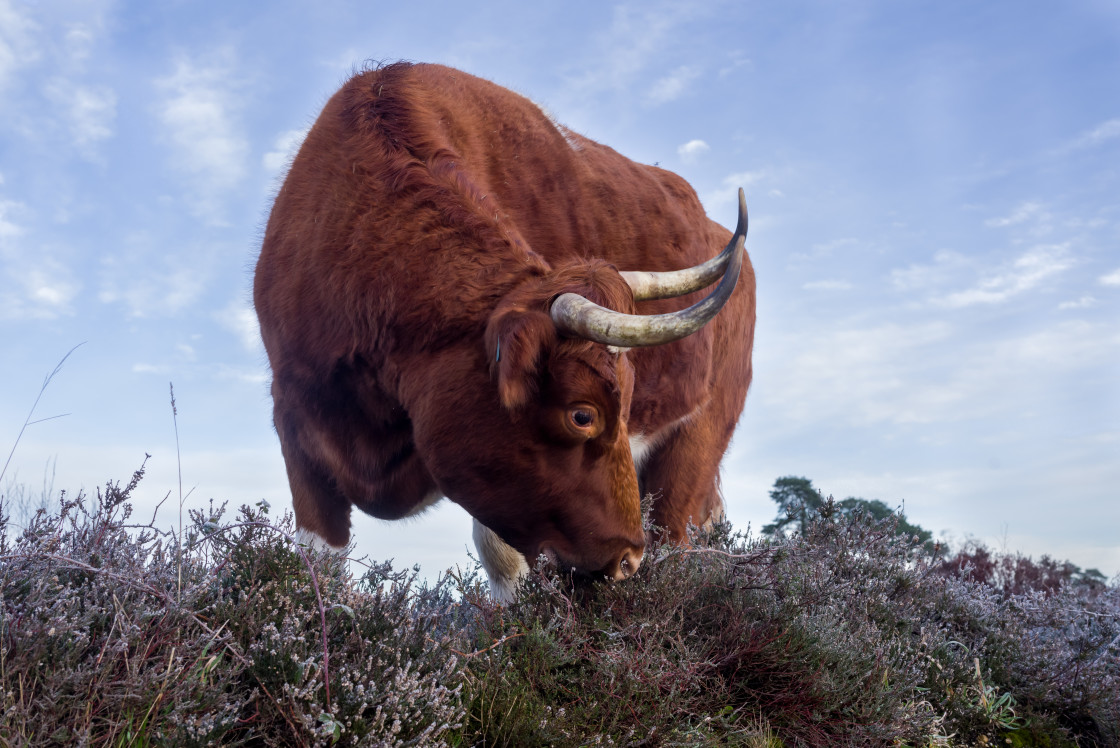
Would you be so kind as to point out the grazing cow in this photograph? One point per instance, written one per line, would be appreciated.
(461, 298)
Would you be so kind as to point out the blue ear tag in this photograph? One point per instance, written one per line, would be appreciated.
(498, 356)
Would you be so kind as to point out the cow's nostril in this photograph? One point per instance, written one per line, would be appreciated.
(628, 564)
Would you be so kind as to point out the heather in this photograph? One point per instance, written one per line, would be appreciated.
(843, 628)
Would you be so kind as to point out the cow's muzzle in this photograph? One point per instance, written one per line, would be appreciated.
(625, 565)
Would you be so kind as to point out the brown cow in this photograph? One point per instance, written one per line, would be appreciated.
(444, 295)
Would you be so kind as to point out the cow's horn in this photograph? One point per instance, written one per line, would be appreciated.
(576, 316)
(667, 285)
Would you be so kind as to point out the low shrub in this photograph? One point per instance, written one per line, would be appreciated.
(113, 632)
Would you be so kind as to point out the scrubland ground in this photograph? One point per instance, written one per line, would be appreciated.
(113, 632)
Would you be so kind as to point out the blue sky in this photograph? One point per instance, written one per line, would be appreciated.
(935, 224)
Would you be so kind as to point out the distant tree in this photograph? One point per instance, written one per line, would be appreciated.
(878, 511)
(798, 502)
(1090, 578)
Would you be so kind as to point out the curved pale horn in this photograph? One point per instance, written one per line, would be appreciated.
(576, 316)
(667, 285)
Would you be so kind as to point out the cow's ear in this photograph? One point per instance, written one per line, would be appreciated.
(518, 342)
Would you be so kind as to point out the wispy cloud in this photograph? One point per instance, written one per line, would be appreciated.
(637, 37)
(33, 285)
(1102, 133)
(44, 290)
(674, 85)
(240, 319)
(284, 149)
(200, 108)
(1022, 213)
(827, 285)
(1085, 302)
(89, 112)
(859, 376)
(1025, 273)
(18, 46)
(728, 190)
(737, 61)
(821, 252)
(692, 150)
(50, 53)
(8, 210)
(925, 276)
(166, 291)
(1111, 279)
(923, 373)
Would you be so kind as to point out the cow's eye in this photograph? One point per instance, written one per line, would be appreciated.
(583, 418)
(581, 421)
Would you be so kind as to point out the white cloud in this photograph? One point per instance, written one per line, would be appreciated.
(1025, 273)
(157, 292)
(200, 108)
(78, 42)
(33, 285)
(1022, 213)
(672, 86)
(728, 191)
(639, 33)
(8, 227)
(692, 150)
(240, 319)
(55, 106)
(1067, 345)
(1102, 133)
(43, 289)
(917, 277)
(1084, 302)
(90, 111)
(859, 376)
(1112, 279)
(738, 60)
(18, 47)
(827, 285)
(284, 149)
(921, 373)
(254, 376)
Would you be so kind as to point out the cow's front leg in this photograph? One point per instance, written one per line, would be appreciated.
(505, 566)
(682, 471)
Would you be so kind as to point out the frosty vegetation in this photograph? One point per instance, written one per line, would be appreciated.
(837, 629)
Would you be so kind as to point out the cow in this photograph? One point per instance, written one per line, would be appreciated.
(461, 298)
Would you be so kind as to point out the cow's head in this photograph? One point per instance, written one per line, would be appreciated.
(542, 452)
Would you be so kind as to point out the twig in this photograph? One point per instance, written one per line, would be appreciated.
(1105, 649)
(712, 551)
(27, 421)
(156, 510)
(179, 464)
(468, 655)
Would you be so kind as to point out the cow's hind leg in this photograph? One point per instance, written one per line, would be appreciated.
(505, 567)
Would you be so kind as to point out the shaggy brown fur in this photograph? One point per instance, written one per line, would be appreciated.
(403, 289)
